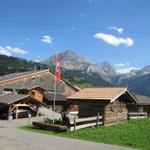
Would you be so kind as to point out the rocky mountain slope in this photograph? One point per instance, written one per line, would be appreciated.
(137, 80)
(139, 84)
(71, 61)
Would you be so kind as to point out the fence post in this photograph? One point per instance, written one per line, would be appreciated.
(74, 122)
(146, 115)
(97, 119)
(29, 116)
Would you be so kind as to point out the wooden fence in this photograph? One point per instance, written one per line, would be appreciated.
(80, 123)
(137, 115)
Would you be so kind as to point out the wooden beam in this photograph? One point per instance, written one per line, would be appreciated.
(13, 108)
(9, 111)
(85, 126)
(16, 112)
(22, 105)
(87, 119)
(37, 110)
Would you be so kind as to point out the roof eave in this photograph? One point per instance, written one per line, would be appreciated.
(114, 98)
(100, 99)
(143, 104)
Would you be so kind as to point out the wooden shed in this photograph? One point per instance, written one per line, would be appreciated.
(10, 102)
(142, 105)
(110, 102)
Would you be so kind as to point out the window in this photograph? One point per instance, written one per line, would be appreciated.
(122, 104)
(8, 90)
(32, 93)
(140, 109)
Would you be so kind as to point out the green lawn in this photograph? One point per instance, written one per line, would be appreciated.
(135, 134)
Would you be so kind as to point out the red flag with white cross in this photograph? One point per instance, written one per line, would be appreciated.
(57, 68)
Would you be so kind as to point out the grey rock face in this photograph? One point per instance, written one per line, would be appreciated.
(71, 61)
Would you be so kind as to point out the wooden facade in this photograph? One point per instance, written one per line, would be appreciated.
(112, 111)
(31, 84)
(139, 108)
(60, 100)
(115, 112)
(43, 78)
(142, 105)
(36, 92)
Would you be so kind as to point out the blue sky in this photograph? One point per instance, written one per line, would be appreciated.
(116, 31)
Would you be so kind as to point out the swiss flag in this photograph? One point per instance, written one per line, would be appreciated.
(57, 68)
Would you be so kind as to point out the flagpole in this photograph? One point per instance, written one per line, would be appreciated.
(55, 90)
(57, 77)
(54, 101)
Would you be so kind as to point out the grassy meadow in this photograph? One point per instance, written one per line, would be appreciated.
(134, 133)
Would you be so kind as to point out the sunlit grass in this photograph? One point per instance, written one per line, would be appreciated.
(135, 134)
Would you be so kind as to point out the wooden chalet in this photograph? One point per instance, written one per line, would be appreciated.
(42, 78)
(28, 87)
(12, 102)
(142, 105)
(109, 102)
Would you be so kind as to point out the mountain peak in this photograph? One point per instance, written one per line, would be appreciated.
(72, 61)
(69, 60)
(69, 52)
(105, 63)
(70, 55)
(106, 69)
(147, 68)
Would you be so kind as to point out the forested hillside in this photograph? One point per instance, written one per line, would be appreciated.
(14, 64)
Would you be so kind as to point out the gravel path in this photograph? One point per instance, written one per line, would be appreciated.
(12, 138)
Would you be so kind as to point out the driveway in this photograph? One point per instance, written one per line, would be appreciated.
(12, 138)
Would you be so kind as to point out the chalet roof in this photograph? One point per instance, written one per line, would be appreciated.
(14, 76)
(103, 93)
(31, 87)
(143, 100)
(18, 75)
(12, 98)
(50, 96)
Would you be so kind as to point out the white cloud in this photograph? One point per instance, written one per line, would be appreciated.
(37, 61)
(118, 29)
(47, 39)
(122, 68)
(113, 40)
(16, 50)
(4, 51)
(126, 70)
(122, 65)
(8, 50)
